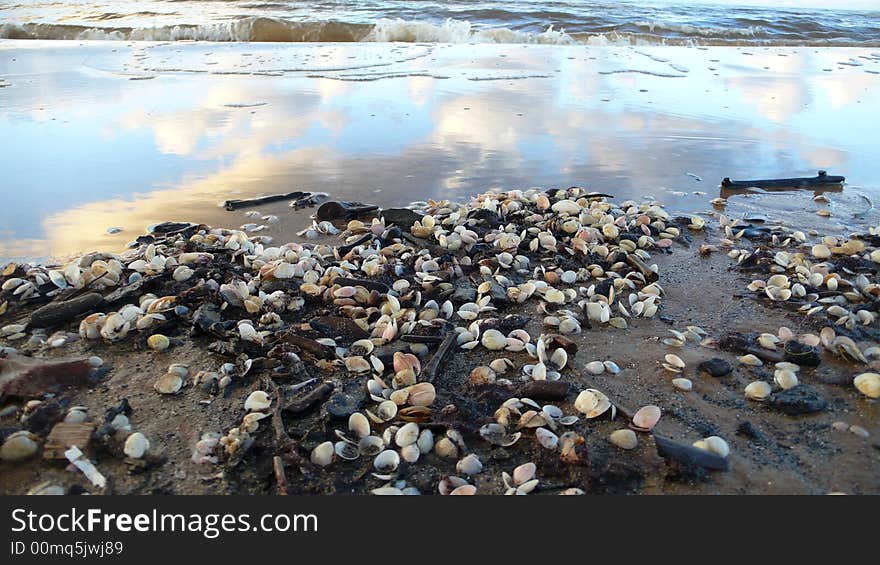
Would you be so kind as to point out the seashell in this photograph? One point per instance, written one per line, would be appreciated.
(361, 347)
(387, 410)
(785, 378)
(646, 418)
(169, 383)
(595, 367)
(673, 363)
(370, 445)
(323, 454)
(611, 367)
(387, 461)
(624, 439)
(592, 403)
(158, 342)
(357, 364)
(750, 360)
(136, 445)
(425, 441)
(469, 465)
(758, 390)
(421, 394)
(493, 340)
(501, 365)
(359, 425)
(682, 384)
(821, 251)
(559, 358)
(446, 448)
(524, 473)
(715, 445)
(464, 490)
(19, 446)
(407, 435)
(257, 401)
(546, 438)
(182, 273)
(482, 375)
(410, 453)
(346, 451)
(868, 384)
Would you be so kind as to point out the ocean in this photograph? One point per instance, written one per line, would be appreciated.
(522, 21)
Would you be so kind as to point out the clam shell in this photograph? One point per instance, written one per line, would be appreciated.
(19, 446)
(592, 403)
(169, 383)
(136, 445)
(868, 384)
(323, 454)
(257, 401)
(387, 461)
(359, 425)
(407, 435)
(469, 465)
(546, 438)
(758, 390)
(371, 445)
(345, 450)
(624, 439)
(646, 418)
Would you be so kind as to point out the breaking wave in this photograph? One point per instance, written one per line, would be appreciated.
(267, 29)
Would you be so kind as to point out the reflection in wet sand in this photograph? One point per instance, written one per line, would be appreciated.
(95, 149)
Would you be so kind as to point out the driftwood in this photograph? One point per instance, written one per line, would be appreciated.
(433, 366)
(544, 390)
(334, 210)
(822, 178)
(308, 345)
(305, 401)
(343, 250)
(287, 447)
(280, 475)
(58, 313)
(237, 204)
(636, 262)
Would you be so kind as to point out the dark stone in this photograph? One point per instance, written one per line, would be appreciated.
(802, 354)
(402, 217)
(801, 399)
(341, 405)
(464, 294)
(747, 429)
(715, 367)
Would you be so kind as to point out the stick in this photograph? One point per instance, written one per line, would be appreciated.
(280, 476)
(303, 402)
(689, 455)
(236, 204)
(636, 262)
(433, 366)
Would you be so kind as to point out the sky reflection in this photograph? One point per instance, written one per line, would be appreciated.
(112, 135)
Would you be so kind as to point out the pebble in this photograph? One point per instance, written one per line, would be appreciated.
(801, 399)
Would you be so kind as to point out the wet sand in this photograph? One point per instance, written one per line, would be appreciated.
(113, 134)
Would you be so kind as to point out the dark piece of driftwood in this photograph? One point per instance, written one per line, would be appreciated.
(308, 345)
(381, 288)
(343, 250)
(689, 455)
(544, 390)
(433, 366)
(305, 401)
(286, 446)
(413, 338)
(820, 179)
(237, 204)
(58, 313)
(636, 262)
(334, 210)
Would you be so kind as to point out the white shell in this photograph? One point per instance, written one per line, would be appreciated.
(257, 401)
(624, 439)
(136, 445)
(469, 465)
(387, 461)
(322, 455)
(407, 435)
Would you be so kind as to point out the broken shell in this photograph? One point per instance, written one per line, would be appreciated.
(322, 455)
(257, 401)
(646, 418)
(624, 439)
(868, 384)
(758, 390)
(136, 445)
(169, 383)
(592, 403)
(371, 445)
(482, 375)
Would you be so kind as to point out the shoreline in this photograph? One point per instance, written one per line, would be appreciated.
(772, 448)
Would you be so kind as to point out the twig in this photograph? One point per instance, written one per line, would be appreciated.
(433, 366)
(280, 475)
